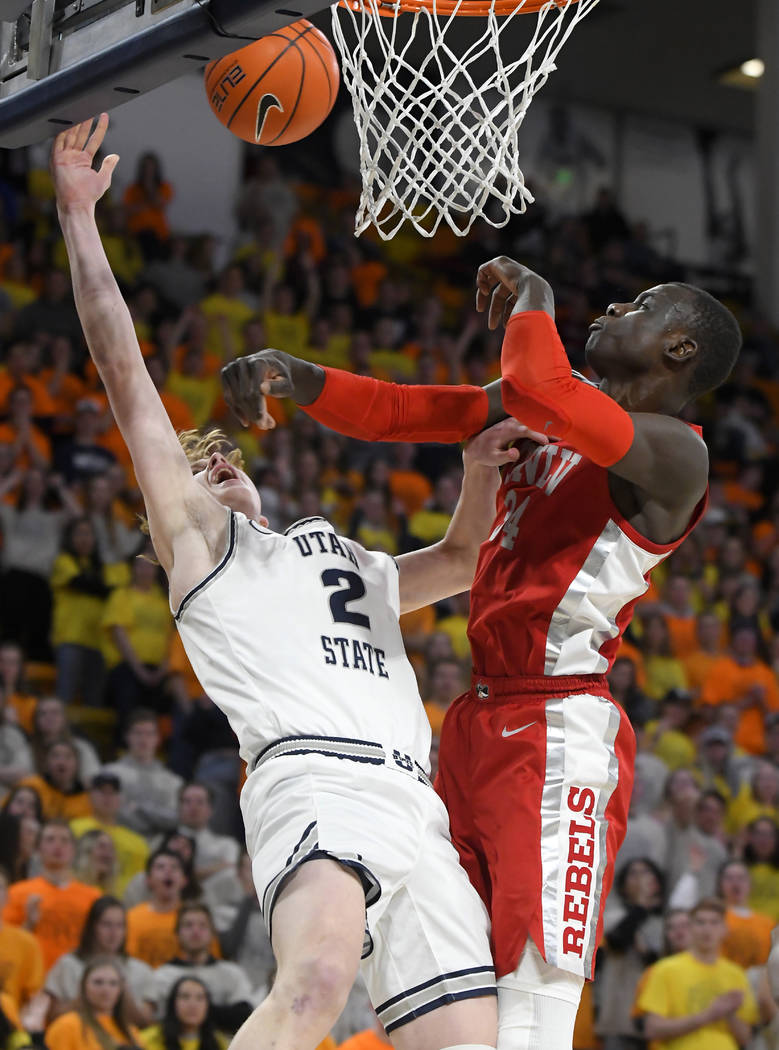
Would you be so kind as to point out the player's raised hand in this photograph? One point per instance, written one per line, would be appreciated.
(76, 182)
(505, 286)
(495, 446)
(247, 381)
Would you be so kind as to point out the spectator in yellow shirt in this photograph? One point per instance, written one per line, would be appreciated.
(228, 301)
(132, 851)
(697, 1000)
(188, 1020)
(761, 855)
(80, 584)
(96, 861)
(757, 797)
(663, 671)
(137, 625)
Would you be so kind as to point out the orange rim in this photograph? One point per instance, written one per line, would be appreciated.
(448, 7)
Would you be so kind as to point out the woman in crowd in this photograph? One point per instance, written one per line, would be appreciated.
(663, 671)
(761, 856)
(187, 1024)
(146, 199)
(50, 723)
(102, 938)
(21, 815)
(81, 584)
(97, 1019)
(96, 861)
(31, 537)
(15, 754)
(757, 797)
(18, 696)
(633, 939)
(60, 788)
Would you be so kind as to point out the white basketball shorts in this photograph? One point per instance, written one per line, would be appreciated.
(427, 931)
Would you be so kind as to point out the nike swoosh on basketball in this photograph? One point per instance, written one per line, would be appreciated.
(266, 103)
(513, 732)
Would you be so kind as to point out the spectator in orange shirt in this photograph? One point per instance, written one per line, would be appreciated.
(742, 679)
(21, 962)
(64, 387)
(371, 1039)
(29, 446)
(406, 484)
(179, 412)
(151, 925)
(97, 1020)
(61, 792)
(146, 200)
(709, 633)
(680, 615)
(52, 906)
(748, 940)
(445, 683)
(21, 364)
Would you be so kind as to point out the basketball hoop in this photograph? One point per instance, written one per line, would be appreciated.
(438, 121)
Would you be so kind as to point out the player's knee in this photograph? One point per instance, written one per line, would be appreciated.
(318, 984)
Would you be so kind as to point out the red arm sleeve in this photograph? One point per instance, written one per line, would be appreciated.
(539, 389)
(371, 410)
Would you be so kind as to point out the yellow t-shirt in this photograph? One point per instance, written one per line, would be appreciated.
(674, 747)
(21, 964)
(429, 525)
(764, 895)
(69, 1032)
(201, 393)
(153, 1039)
(132, 850)
(145, 616)
(681, 985)
(456, 627)
(77, 616)
(288, 332)
(237, 313)
(663, 673)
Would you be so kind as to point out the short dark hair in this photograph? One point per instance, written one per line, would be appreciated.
(198, 784)
(165, 853)
(194, 906)
(710, 904)
(140, 716)
(719, 339)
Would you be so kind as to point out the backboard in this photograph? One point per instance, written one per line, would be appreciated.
(62, 62)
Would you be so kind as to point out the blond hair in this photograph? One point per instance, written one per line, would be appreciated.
(198, 448)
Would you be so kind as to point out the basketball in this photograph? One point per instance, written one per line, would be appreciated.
(278, 89)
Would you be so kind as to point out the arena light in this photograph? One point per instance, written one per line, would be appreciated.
(745, 75)
(753, 67)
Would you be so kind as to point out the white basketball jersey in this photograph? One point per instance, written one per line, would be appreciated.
(297, 634)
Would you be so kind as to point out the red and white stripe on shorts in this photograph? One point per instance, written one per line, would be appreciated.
(537, 776)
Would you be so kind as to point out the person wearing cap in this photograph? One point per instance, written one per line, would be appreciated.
(82, 457)
(132, 851)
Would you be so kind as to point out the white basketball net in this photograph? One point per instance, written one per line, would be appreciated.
(438, 134)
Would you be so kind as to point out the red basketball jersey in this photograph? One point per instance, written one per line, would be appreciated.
(558, 578)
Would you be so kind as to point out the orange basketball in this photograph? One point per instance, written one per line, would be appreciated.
(278, 89)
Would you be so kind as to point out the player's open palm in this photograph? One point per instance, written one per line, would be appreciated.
(76, 182)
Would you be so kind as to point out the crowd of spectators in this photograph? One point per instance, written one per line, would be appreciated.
(128, 913)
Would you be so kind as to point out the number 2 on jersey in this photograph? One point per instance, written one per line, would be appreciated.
(510, 524)
(352, 592)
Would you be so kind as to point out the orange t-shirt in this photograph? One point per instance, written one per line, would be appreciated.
(21, 964)
(42, 402)
(63, 910)
(24, 706)
(748, 940)
(151, 935)
(69, 1032)
(39, 439)
(697, 666)
(411, 488)
(71, 390)
(728, 682)
(146, 216)
(367, 1040)
(684, 635)
(55, 803)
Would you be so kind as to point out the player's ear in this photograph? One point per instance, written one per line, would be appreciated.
(681, 350)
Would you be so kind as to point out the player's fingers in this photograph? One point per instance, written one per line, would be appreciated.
(231, 392)
(82, 134)
(508, 306)
(535, 435)
(95, 140)
(108, 165)
(496, 306)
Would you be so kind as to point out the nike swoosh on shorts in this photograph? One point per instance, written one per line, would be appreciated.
(513, 732)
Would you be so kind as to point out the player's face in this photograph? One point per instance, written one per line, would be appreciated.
(631, 337)
(231, 486)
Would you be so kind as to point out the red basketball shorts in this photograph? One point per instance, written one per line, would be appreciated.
(536, 774)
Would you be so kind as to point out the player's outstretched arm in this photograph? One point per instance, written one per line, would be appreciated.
(447, 567)
(161, 467)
